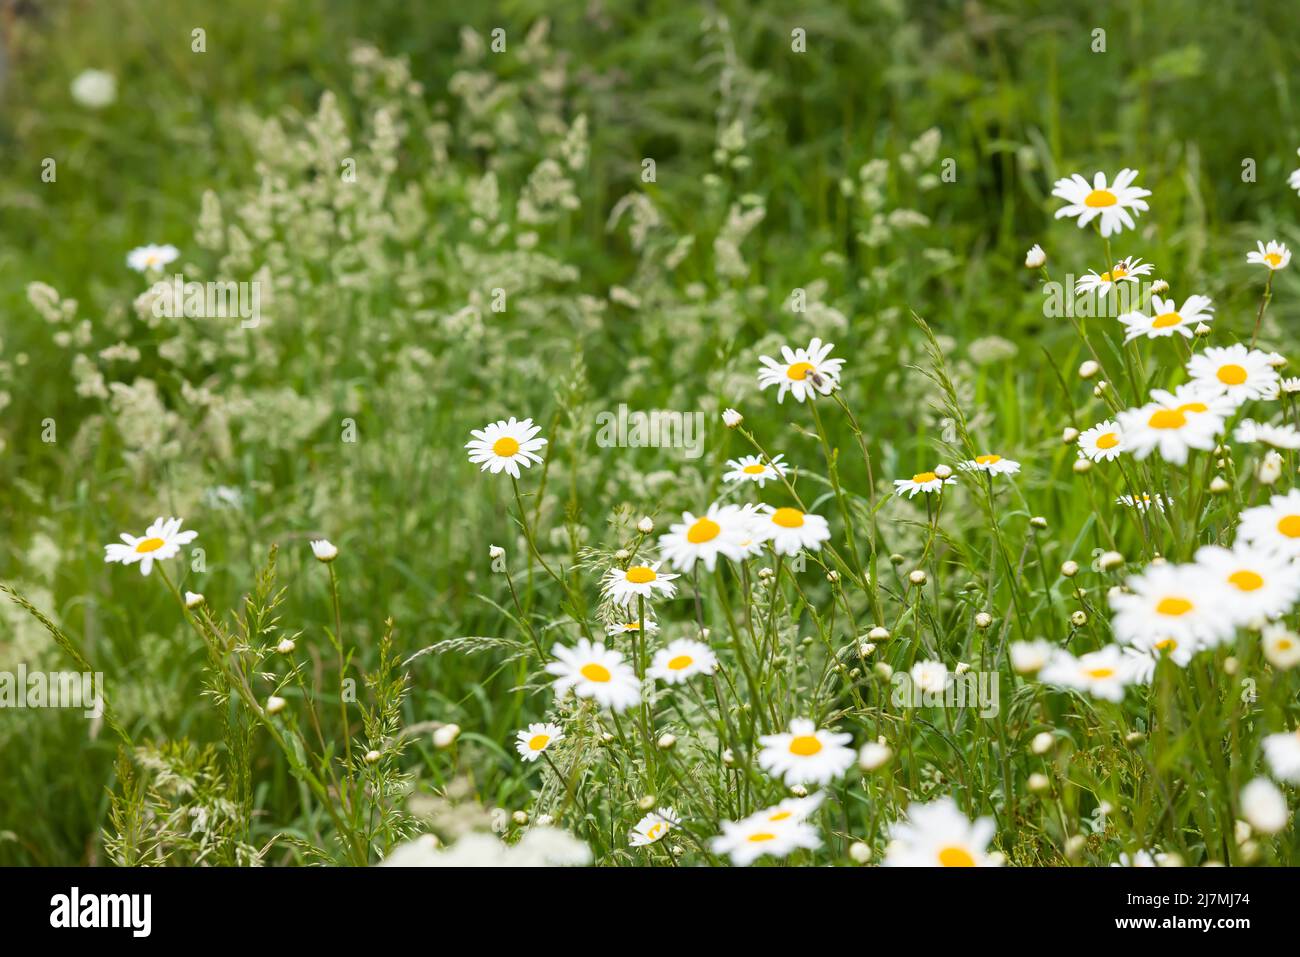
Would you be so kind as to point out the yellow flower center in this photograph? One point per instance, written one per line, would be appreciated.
(1119, 273)
(988, 459)
(760, 837)
(1099, 673)
(538, 741)
(956, 857)
(799, 371)
(805, 745)
(1167, 419)
(655, 830)
(1231, 374)
(755, 469)
(1165, 320)
(1099, 198)
(1107, 440)
(780, 816)
(594, 672)
(920, 478)
(1169, 644)
(704, 530)
(680, 662)
(1289, 526)
(1193, 407)
(1273, 259)
(639, 574)
(787, 517)
(1284, 644)
(505, 446)
(1174, 606)
(1247, 580)
(149, 545)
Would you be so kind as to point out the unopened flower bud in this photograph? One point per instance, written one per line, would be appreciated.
(324, 550)
(1089, 368)
(446, 736)
(372, 757)
(1070, 569)
(1110, 560)
(982, 620)
(1069, 434)
(666, 741)
(1219, 485)
(879, 633)
(1078, 619)
(286, 646)
(873, 755)
(646, 802)
(1039, 783)
(646, 525)
(917, 577)
(1082, 466)
(495, 552)
(883, 671)
(1042, 742)
(731, 418)
(193, 599)
(1038, 522)
(520, 817)
(275, 704)
(859, 852)
(943, 471)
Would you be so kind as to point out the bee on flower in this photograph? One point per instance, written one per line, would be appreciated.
(536, 738)
(622, 586)
(1170, 431)
(760, 834)
(1275, 255)
(1234, 371)
(505, 445)
(681, 660)
(595, 672)
(805, 754)
(789, 530)
(1102, 443)
(922, 482)
(161, 540)
(991, 464)
(654, 827)
(751, 468)
(804, 373)
(1127, 270)
(723, 531)
(1167, 318)
(937, 834)
(1112, 202)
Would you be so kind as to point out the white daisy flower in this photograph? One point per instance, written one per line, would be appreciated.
(793, 809)
(1029, 657)
(939, 835)
(1102, 674)
(1279, 436)
(593, 671)
(921, 482)
(1103, 442)
(747, 840)
(1166, 318)
(632, 627)
(1035, 257)
(1274, 527)
(1236, 371)
(790, 530)
(1144, 501)
(682, 659)
(1255, 583)
(1183, 602)
(161, 540)
(1142, 656)
(536, 738)
(1111, 202)
(931, 676)
(1190, 397)
(731, 418)
(623, 586)
(805, 754)
(324, 550)
(145, 258)
(751, 468)
(1126, 270)
(1264, 807)
(722, 531)
(804, 373)
(95, 89)
(1282, 751)
(1291, 385)
(1275, 255)
(1281, 646)
(653, 827)
(1155, 427)
(991, 463)
(505, 445)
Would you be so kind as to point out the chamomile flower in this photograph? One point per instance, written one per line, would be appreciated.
(682, 659)
(790, 530)
(1103, 674)
(623, 586)
(1282, 751)
(921, 482)
(1102, 443)
(1258, 583)
(1167, 318)
(1142, 656)
(1085, 202)
(1144, 501)
(505, 446)
(161, 540)
(1126, 270)
(1173, 433)
(1279, 436)
(631, 627)
(536, 738)
(990, 463)
(1281, 646)
(145, 258)
(1275, 255)
(793, 809)
(722, 531)
(938, 834)
(1274, 527)
(805, 754)
(595, 672)
(1235, 371)
(1183, 602)
(1291, 385)
(653, 827)
(747, 840)
(751, 468)
(1029, 657)
(804, 372)
(1191, 397)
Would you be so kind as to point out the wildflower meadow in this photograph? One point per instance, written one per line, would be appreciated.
(649, 434)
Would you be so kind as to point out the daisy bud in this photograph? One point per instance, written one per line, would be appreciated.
(1038, 522)
(997, 858)
(495, 552)
(446, 736)
(983, 620)
(520, 817)
(729, 758)
(1263, 805)
(765, 573)
(879, 633)
(1241, 832)
(193, 599)
(1270, 468)
(275, 704)
(1068, 435)
(883, 671)
(1070, 569)
(731, 418)
(866, 648)
(1169, 859)
(1035, 258)
(1201, 329)
(1219, 485)
(286, 646)
(1159, 559)
(1230, 665)
(1110, 560)
(859, 853)
(832, 576)
(896, 559)
(1159, 286)
(645, 526)
(666, 741)
(873, 755)
(917, 577)
(1078, 619)
(1134, 737)
(622, 555)
(1221, 463)
(1099, 389)
(646, 802)
(942, 471)
(799, 791)
(1042, 742)
(1075, 845)
(324, 550)
(372, 757)
(1089, 368)
(545, 820)
(1249, 852)
(1082, 466)
(1039, 784)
